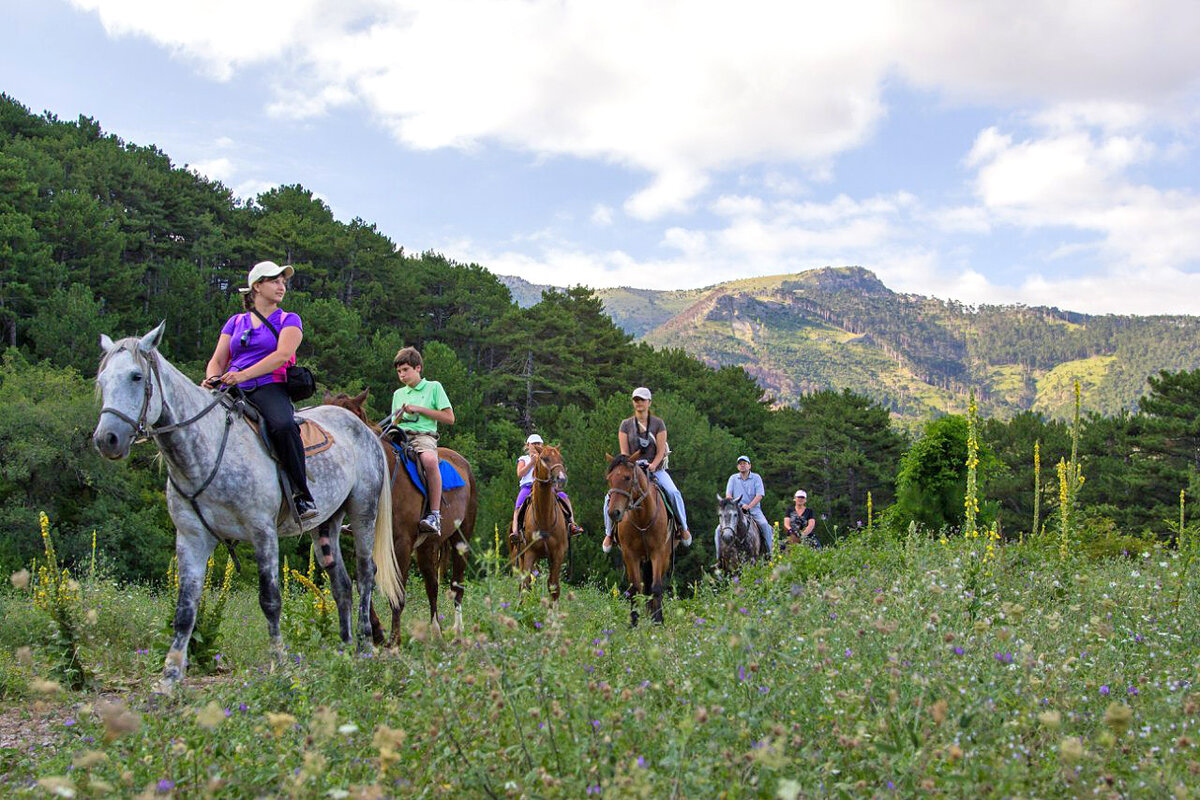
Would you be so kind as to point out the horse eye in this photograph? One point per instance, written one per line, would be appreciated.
(135, 377)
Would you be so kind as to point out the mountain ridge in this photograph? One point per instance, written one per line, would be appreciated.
(843, 328)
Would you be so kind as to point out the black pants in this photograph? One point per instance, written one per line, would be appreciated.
(279, 416)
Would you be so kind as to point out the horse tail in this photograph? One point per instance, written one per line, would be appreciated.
(387, 574)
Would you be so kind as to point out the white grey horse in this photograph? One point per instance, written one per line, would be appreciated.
(737, 536)
(222, 483)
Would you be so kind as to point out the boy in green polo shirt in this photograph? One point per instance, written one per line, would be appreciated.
(417, 408)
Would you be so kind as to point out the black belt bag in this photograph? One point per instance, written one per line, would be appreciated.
(300, 383)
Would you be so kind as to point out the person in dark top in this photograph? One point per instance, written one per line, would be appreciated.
(646, 434)
(798, 525)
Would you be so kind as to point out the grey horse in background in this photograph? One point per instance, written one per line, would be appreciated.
(222, 483)
(737, 536)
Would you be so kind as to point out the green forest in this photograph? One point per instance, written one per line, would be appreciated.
(98, 235)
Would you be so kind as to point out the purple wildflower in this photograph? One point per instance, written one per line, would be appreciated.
(165, 785)
(1104, 690)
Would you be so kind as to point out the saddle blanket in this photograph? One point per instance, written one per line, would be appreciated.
(314, 438)
(450, 477)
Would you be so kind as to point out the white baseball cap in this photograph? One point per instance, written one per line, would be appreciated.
(642, 392)
(801, 493)
(744, 458)
(265, 269)
(534, 439)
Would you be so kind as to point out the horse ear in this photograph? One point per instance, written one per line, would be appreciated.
(608, 457)
(361, 397)
(106, 344)
(152, 339)
(326, 398)
(719, 497)
(635, 455)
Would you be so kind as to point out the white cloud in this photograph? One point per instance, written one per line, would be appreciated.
(602, 215)
(1078, 180)
(215, 169)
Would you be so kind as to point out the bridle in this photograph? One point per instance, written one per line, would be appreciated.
(143, 430)
(742, 516)
(633, 503)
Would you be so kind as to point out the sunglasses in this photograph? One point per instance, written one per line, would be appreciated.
(245, 337)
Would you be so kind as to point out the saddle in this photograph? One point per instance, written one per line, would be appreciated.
(525, 506)
(313, 437)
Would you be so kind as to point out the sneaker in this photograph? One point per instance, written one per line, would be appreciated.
(606, 545)
(306, 508)
(432, 523)
(686, 538)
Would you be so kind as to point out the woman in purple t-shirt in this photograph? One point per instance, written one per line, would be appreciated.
(252, 357)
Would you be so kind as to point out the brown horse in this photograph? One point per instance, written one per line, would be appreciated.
(642, 528)
(545, 533)
(459, 507)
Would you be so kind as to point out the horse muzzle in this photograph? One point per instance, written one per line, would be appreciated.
(112, 442)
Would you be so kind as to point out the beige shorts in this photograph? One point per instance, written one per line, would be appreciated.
(423, 442)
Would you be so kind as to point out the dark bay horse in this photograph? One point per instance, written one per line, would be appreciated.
(221, 482)
(434, 553)
(737, 536)
(643, 531)
(545, 532)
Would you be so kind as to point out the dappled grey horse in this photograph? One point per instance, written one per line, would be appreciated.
(737, 536)
(222, 483)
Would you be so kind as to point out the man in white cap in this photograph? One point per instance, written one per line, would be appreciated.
(747, 488)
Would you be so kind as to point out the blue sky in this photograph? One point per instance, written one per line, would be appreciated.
(1033, 152)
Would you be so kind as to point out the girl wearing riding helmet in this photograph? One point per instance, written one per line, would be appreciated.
(533, 448)
(252, 357)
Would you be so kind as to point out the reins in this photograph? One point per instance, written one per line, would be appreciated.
(143, 431)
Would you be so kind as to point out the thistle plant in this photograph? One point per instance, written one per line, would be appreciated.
(971, 502)
(57, 594)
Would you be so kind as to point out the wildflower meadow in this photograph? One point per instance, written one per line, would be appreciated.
(888, 666)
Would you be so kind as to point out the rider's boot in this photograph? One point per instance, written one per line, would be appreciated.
(685, 536)
(607, 544)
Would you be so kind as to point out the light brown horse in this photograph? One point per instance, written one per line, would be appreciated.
(459, 508)
(545, 532)
(643, 531)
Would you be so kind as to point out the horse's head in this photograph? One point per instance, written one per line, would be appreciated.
(356, 405)
(624, 481)
(130, 387)
(548, 467)
(729, 515)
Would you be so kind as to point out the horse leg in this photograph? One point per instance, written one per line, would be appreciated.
(427, 559)
(457, 587)
(556, 561)
(656, 588)
(266, 556)
(633, 572)
(339, 580)
(192, 552)
(403, 543)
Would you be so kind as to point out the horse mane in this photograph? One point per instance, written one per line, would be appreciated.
(129, 343)
(351, 404)
(618, 460)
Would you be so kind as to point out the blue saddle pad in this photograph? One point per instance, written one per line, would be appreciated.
(450, 477)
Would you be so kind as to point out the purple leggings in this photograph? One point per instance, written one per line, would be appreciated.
(527, 489)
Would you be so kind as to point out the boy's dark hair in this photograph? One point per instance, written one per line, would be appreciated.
(410, 356)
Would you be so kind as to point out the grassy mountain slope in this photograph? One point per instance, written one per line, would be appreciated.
(841, 327)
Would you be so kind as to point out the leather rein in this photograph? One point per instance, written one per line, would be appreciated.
(634, 505)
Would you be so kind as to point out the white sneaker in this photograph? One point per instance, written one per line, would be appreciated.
(432, 523)
(686, 538)
(606, 545)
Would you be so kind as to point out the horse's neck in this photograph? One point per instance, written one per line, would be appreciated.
(647, 509)
(542, 499)
(193, 446)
